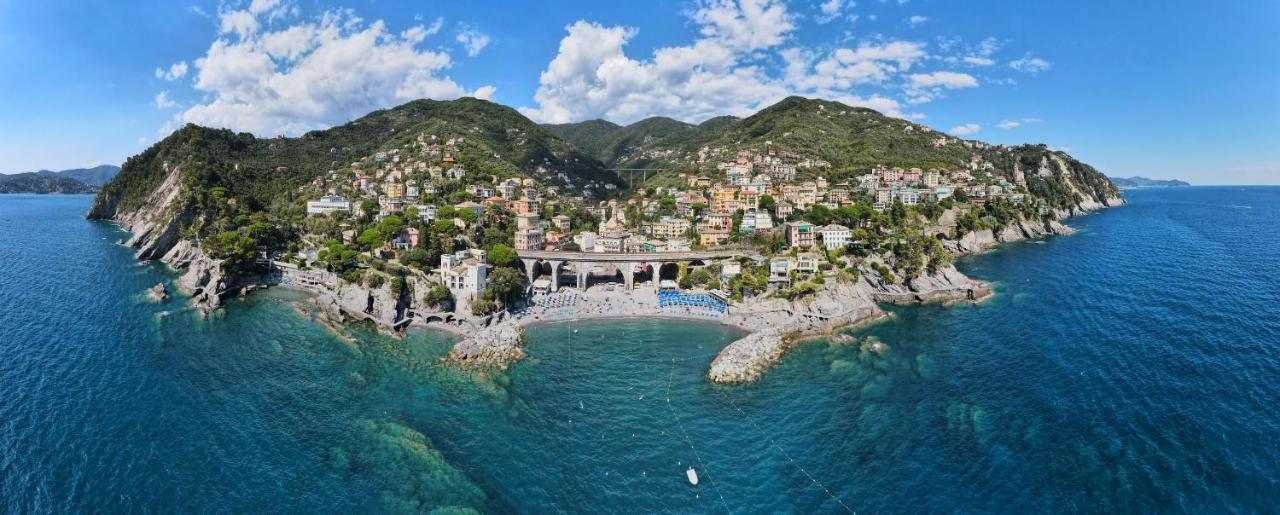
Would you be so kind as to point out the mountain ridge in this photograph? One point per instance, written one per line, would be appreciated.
(73, 181)
(34, 182)
(1143, 182)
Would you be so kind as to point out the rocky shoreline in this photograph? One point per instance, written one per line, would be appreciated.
(773, 325)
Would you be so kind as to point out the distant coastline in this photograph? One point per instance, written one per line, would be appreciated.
(80, 181)
(1137, 182)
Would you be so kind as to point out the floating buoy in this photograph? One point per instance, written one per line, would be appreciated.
(692, 475)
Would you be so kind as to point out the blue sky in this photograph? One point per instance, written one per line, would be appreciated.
(1175, 89)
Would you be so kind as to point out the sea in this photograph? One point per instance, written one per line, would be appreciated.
(1131, 367)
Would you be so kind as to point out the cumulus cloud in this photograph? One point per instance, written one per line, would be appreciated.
(163, 101)
(472, 40)
(720, 72)
(967, 129)
(1029, 64)
(744, 25)
(176, 71)
(312, 74)
(917, 20)
(925, 87)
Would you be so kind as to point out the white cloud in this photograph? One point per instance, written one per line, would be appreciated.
(484, 92)
(163, 101)
(312, 74)
(830, 10)
(917, 20)
(472, 40)
(142, 140)
(1011, 124)
(176, 71)
(435, 26)
(242, 23)
(1030, 64)
(925, 87)
(967, 129)
(979, 61)
(720, 72)
(949, 80)
(745, 25)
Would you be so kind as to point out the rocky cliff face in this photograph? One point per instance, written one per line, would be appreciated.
(202, 278)
(946, 284)
(156, 225)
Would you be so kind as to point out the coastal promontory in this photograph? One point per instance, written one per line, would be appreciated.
(467, 217)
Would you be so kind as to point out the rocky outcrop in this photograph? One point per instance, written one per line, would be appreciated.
(947, 284)
(158, 293)
(747, 358)
(496, 346)
(202, 279)
(974, 242)
(156, 225)
(779, 323)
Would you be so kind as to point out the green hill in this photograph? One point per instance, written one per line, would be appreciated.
(612, 144)
(206, 168)
(261, 173)
(96, 176)
(591, 136)
(33, 182)
(852, 140)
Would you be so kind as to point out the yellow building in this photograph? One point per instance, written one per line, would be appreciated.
(395, 189)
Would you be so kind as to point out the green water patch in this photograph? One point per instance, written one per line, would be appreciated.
(412, 476)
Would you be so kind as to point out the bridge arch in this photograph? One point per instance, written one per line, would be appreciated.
(669, 271)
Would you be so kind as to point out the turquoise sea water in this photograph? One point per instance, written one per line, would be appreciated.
(1134, 367)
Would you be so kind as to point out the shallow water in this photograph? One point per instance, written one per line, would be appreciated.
(1131, 367)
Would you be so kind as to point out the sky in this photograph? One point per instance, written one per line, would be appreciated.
(1165, 89)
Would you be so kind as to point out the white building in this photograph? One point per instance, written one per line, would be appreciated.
(465, 273)
(586, 241)
(328, 204)
(780, 270)
(806, 262)
(427, 212)
(756, 221)
(835, 236)
(729, 270)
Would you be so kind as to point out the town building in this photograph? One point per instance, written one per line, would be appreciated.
(806, 262)
(835, 236)
(528, 232)
(713, 237)
(561, 222)
(779, 270)
(465, 273)
(328, 204)
(800, 234)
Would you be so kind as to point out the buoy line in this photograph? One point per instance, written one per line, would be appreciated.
(787, 455)
(670, 378)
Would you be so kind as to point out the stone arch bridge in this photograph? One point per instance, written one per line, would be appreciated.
(628, 263)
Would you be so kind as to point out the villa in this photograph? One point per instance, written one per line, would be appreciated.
(835, 236)
(465, 273)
